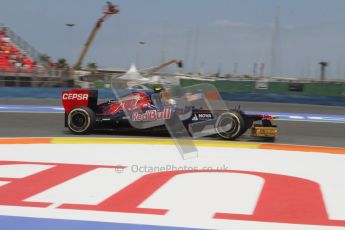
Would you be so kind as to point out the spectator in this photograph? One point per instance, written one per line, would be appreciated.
(6, 39)
(18, 65)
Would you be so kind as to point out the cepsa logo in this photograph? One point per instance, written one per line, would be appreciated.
(282, 199)
(75, 96)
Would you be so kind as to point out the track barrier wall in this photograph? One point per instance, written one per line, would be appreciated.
(52, 93)
(327, 89)
(320, 93)
(328, 93)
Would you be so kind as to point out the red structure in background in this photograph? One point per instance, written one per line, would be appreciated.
(12, 59)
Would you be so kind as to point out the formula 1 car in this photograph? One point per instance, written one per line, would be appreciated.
(83, 115)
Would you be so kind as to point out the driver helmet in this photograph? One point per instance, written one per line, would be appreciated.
(157, 89)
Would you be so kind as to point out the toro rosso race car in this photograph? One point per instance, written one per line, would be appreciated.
(83, 115)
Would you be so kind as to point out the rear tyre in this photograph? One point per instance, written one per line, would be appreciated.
(81, 120)
(230, 125)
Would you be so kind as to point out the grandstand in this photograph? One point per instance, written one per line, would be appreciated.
(22, 65)
(12, 58)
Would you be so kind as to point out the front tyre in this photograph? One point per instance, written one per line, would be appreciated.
(81, 120)
(230, 125)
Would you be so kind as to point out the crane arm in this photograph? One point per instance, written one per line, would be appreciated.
(179, 63)
(110, 9)
(87, 45)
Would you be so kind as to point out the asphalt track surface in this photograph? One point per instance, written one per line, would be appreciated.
(290, 132)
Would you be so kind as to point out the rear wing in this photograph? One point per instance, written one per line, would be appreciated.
(79, 97)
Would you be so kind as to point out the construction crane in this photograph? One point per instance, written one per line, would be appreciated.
(152, 70)
(109, 10)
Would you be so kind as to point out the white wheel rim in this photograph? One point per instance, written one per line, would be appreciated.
(74, 127)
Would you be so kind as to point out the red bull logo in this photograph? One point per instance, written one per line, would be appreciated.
(152, 115)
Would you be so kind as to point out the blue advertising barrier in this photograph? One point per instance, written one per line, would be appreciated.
(52, 93)
(55, 93)
(283, 98)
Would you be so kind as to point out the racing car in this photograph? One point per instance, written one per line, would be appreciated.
(83, 115)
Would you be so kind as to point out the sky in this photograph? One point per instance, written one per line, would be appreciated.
(210, 36)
